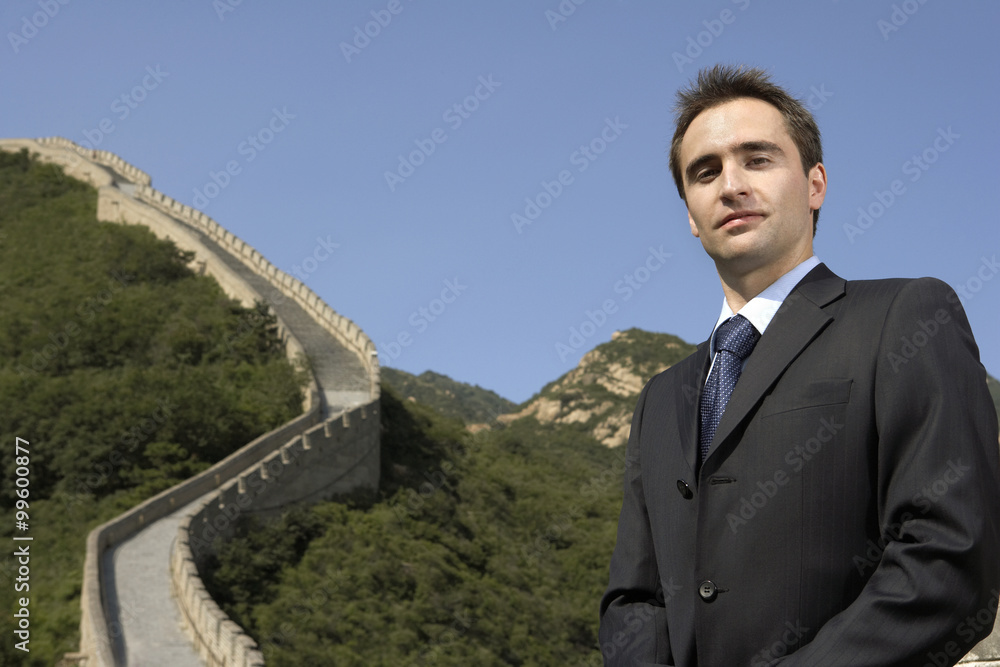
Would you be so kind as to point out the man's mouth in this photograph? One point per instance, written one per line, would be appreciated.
(740, 218)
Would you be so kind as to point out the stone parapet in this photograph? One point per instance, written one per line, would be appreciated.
(119, 166)
(338, 456)
(71, 161)
(343, 329)
(96, 630)
(271, 470)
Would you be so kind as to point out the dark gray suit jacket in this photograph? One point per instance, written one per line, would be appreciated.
(847, 512)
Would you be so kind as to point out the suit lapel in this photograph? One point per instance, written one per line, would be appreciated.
(798, 321)
(692, 380)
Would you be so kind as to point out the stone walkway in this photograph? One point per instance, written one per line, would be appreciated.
(149, 626)
(146, 624)
(341, 377)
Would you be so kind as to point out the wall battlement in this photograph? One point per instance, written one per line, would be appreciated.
(346, 331)
(104, 158)
(303, 461)
(334, 457)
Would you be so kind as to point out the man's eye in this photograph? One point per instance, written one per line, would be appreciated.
(705, 173)
(759, 160)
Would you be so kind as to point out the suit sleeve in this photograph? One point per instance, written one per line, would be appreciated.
(933, 594)
(633, 629)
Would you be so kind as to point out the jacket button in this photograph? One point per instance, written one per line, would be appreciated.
(707, 591)
(685, 490)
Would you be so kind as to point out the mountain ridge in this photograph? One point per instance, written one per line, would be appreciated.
(468, 403)
(597, 396)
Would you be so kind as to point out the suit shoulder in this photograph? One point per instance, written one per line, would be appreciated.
(888, 290)
(895, 306)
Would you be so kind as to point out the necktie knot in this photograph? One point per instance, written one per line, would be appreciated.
(737, 335)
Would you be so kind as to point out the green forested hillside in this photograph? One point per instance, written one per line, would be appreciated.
(123, 370)
(470, 404)
(485, 549)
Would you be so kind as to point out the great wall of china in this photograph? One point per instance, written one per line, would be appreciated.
(331, 448)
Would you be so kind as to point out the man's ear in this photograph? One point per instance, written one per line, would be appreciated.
(817, 186)
(694, 227)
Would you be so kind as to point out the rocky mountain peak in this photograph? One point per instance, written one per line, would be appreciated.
(600, 393)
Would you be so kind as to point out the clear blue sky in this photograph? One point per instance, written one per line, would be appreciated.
(204, 82)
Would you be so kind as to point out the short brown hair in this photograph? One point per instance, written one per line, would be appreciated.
(723, 83)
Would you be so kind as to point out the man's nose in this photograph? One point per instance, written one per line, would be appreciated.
(734, 182)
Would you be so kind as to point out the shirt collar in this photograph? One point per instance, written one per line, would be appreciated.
(760, 310)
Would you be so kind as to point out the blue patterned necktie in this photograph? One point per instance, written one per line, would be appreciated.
(734, 341)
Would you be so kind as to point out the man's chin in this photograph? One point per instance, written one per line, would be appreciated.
(736, 253)
(739, 261)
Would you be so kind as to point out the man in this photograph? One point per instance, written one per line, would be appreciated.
(809, 487)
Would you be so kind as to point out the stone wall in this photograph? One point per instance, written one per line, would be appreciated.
(344, 458)
(72, 162)
(116, 164)
(79, 162)
(114, 205)
(343, 329)
(96, 630)
(335, 457)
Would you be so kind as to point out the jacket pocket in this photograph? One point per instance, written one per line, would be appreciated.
(830, 391)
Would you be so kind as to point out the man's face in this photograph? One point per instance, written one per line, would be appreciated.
(748, 199)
